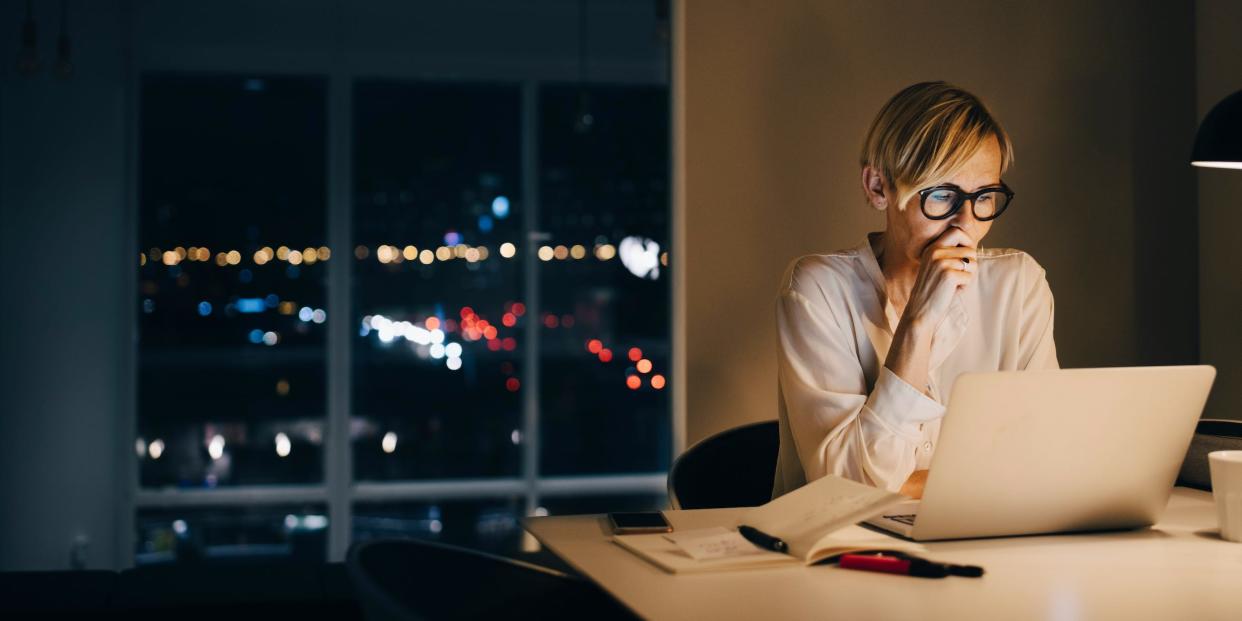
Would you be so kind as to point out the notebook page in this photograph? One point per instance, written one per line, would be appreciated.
(808, 514)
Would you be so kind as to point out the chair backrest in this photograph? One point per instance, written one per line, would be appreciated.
(405, 579)
(733, 468)
(1211, 434)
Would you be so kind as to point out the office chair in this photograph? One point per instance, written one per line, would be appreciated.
(1211, 434)
(733, 468)
(407, 579)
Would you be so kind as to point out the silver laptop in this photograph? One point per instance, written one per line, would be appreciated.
(1026, 452)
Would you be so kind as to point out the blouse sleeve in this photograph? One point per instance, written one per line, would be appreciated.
(840, 425)
(1039, 351)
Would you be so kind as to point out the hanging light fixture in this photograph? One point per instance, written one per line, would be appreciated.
(584, 119)
(63, 67)
(1219, 141)
(28, 53)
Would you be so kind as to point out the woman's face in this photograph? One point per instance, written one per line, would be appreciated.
(912, 232)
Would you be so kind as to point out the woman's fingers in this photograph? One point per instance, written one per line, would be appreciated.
(954, 236)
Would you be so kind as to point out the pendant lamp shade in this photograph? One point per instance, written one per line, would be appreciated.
(1219, 141)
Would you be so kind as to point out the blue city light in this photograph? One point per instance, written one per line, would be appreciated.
(500, 207)
(452, 238)
(292, 271)
(148, 306)
(306, 313)
(485, 223)
(256, 336)
(251, 305)
(245, 275)
(271, 300)
(204, 308)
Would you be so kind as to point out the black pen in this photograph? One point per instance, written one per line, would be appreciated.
(763, 540)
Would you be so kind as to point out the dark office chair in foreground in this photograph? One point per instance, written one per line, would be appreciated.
(400, 580)
(733, 468)
(1211, 434)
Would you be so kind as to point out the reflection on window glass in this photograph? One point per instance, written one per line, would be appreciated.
(605, 302)
(231, 280)
(491, 524)
(438, 280)
(232, 534)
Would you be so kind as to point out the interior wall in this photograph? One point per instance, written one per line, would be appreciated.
(778, 95)
(1219, 71)
(63, 265)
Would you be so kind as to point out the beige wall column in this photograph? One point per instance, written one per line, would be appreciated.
(777, 95)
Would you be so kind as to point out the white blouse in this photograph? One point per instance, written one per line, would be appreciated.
(841, 410)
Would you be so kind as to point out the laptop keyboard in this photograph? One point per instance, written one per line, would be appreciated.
(907, 519)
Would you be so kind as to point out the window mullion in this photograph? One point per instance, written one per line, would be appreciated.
(338, 464)
(530, 278)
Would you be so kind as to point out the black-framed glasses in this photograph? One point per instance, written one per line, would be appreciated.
(942, 201)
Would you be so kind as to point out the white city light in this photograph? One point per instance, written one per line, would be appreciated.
(453, 350)
(283, 445)
(389, 443)
(156, 448)
(641, 256)
(453, 363)
(215, 447)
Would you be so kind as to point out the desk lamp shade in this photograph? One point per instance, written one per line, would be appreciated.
(1219, 141)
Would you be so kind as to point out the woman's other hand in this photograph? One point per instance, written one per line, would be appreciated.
(913, 487)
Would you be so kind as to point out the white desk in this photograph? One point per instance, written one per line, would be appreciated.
(1178, 569)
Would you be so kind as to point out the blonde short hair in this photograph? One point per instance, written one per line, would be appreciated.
(926, 133)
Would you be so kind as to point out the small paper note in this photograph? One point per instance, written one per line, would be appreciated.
(709, 543)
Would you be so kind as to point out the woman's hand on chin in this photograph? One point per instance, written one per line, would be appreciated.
(948, 265)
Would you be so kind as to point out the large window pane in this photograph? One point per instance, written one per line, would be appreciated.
(231, 278)
(238, 534)
(491, 524)
(437, 294)
(605, 302)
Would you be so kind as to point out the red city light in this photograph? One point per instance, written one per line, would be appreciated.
(493, 345)
(594, 345)
(512, 384)
(644, 366)
(433, 323)
(605, 355)
(466, 311)
(636, 354)
(550, 321)
(489, 332)
(657, 381)
(567, 321)
(509, 343)
(633, 382)
(509, 320)
(519, 309)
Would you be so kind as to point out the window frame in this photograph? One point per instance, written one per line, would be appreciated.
(338, 489)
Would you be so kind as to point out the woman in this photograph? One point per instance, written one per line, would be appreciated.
(870, 339)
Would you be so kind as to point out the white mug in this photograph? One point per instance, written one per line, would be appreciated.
(1226, 468)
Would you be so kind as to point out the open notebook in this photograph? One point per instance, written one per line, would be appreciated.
(817, 521)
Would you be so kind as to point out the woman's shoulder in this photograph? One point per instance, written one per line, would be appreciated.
(1011, 264)
(825, 272)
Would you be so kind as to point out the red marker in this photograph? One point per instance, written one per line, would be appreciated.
(907, 566)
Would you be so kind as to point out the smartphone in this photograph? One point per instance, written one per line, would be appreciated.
(639, 522)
